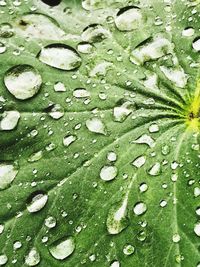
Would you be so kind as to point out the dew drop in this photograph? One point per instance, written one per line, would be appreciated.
(81, 93)
(50, 222)
(115, 264)
(143, 187)
(10, 120)
(112, 156)
(187, 32)
(59, 87)
(196, 44)
(139, 161)
(95, 125)
(63, 248)
(175, 75)
(128, 250)
(145, 139)
(3, 259)
(8, 172)
(35, 156)
(128, 19)
(23, 81)
(140, 208)
(176, 238)
(6, 30)
(2, 48)
(37, 202)
(122, 112)
(155, 169)
(153, 128)
(69, 139)
(94, 33)
(33, 257)
(108, 173)
(56, 112)
(85, 48)
(60, 56)
(197, 229)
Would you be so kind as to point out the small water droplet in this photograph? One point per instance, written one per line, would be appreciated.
(145, 139)
(37, 201)
(6, 30)
(112, 156)
(59, 87)
(176, 238)
(23, 81)
(188, 32)
(50, 222)
(81, 93)
(197, 228)
(85, 48)
(128, 250)
(95, 125)
(10, 120)
(108, 173)
(139, 161)
(2, 48)
(140, 208)
(196, 44)
(35, 156)
(155, 169)
(69, 139)
(95, 33)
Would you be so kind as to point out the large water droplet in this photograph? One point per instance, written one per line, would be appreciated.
(8, 172)
(95, 125)
(108, 173)
(23, 81)
(196, 44)
(145, 139)
(60, 56)
(63, 248)
(117, 220)
(155, 169)
(121, 113)
(175, 75)
(151, 51)
(139, 161)
(33, 257)
(95, 33)
(128, 19)
(37, 201)
(10, 120)
(3, 259)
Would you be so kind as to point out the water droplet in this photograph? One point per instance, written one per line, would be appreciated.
(85, 48)
(17, 245)
(91, 4)
(59, 87)
(23, 81)
(141, 236)
(95, 33)
(128, 19)
(155, 169)
(139, 161)
(153, 128)
(2, 48)
(60, 56)
(128, 250)
(108, 173)
(115, 264)
(8, 172)
(37, 201)
(143, 187)
(122, 112)
(101, 69)
(196, 44)
(6, 30)
(3, 259)
(196, 191)
(69, 139)
(145, 139)
(140, 208)
(81, 93)
(56, 112)
(187, 32)
(95, 125)
(112, 156)
(175, 75)
(63, 248)
(165, 149)
(1, 228)
(117, 218)
(10, 120)
(176, 238)
(151, 51)
(35, 156)
(33, 257)
(50, 222)
(197, 229)
(197, 212)
(39, 26)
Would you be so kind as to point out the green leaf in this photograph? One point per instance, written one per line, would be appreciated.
(99, 133)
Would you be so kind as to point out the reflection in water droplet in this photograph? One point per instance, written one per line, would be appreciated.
(3, 259)
(128, 250)
(108, 173)
(23, 81)
(33, 257)
(8, 172)
(10, 120)
(117, 220)
(140, 208)
(155, 169)
(60, 56)
(6, 30)
(128, 19)
(95, 125)
(37, 202)
(95, 33)
(69, 139)
(63, 248)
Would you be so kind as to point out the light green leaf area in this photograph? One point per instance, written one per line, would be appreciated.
(99, 133)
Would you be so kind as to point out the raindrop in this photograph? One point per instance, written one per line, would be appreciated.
(95, 125)
(153, 128)
(139, 161)
(69, 139)
(95, 33)
(59, 87)
(1, 228)
(140, 208)
(176, 238)
(37, 201)
(8, 172)
(63, 248)
(187, 32)
(155, 169)
(122, 112)
(10, 120)
(33, 257)
(196, 44)
(112, 156)
(108, 173)
(50, 222)
(143, 187)
(2, 48)
(145, 139)
(60, 56)
(81, 93)
(128, 250)
(6, 30)
(23, 81)
(115, 264)
(197, 229)
(35, 156)
(101, 69)
(175, 75)
(128, 19)
(56, 112)
(85, 48)
(3, 259)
